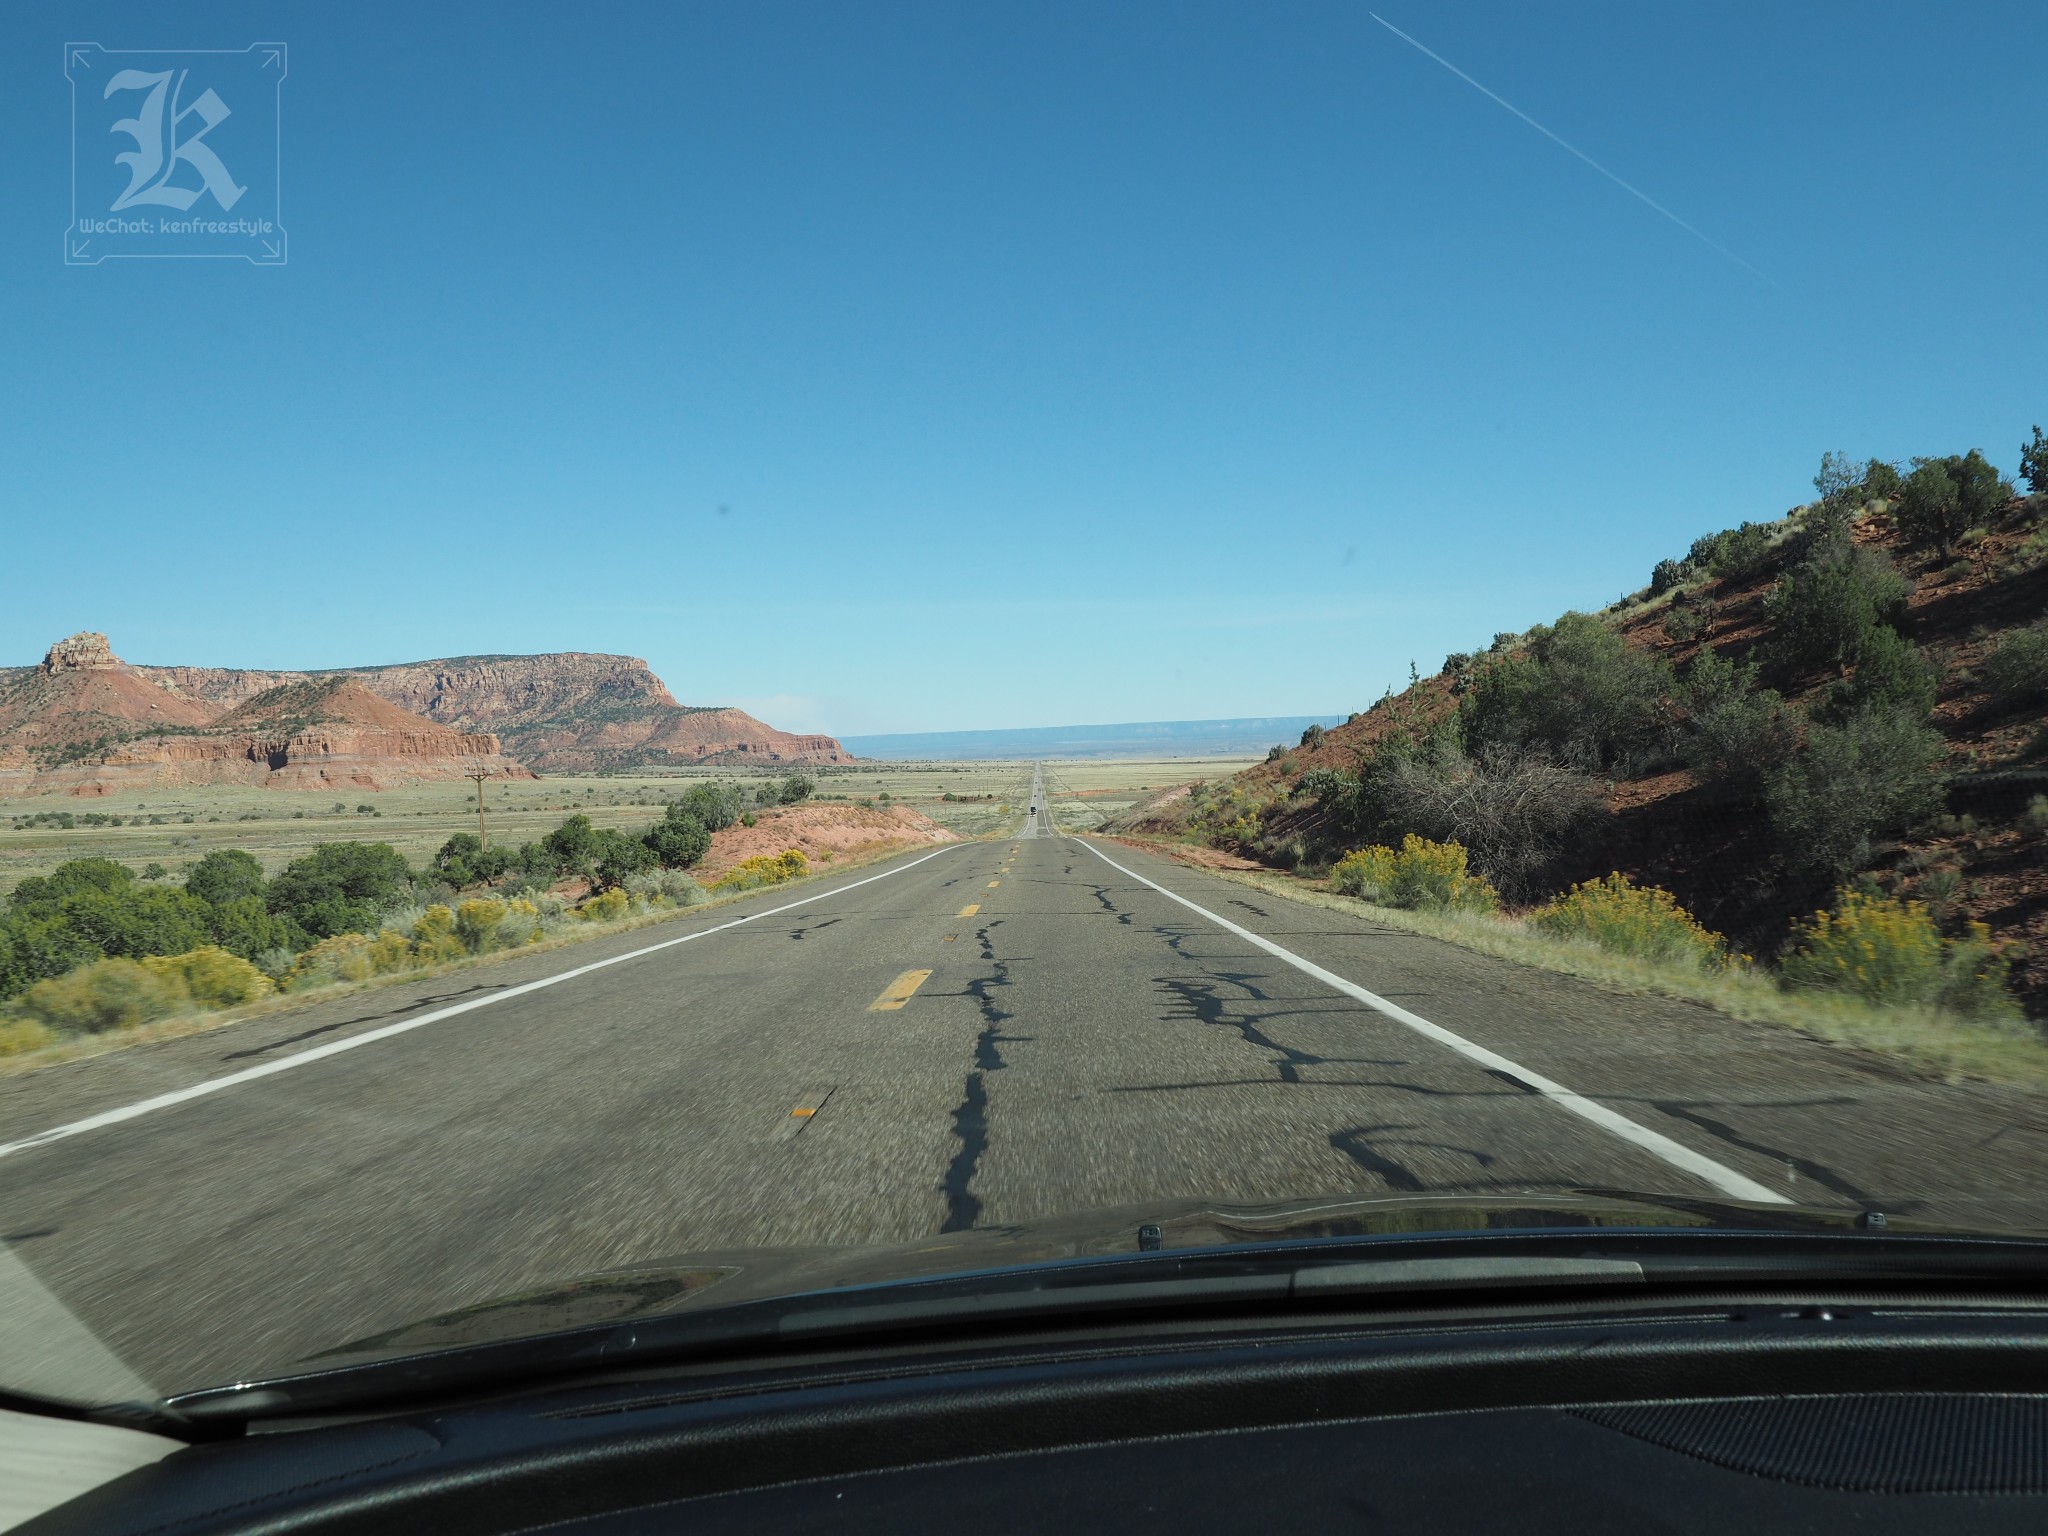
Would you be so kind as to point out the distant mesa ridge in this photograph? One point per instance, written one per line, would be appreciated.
(86, 721)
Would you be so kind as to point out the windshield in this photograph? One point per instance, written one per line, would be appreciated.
(657, 656)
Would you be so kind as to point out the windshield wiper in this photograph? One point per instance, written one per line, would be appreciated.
(1309, 1274)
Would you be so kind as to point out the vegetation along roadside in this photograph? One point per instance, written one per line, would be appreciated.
(1801, 776)
(93, 955)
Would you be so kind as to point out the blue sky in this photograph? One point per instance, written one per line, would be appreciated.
(901, 367)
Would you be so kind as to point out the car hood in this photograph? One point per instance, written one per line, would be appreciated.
(718, 1278)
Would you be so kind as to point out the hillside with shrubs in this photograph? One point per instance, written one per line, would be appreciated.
(1813, 745)
(95, 947)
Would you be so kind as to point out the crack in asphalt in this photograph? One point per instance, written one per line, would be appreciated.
(1101, 894)
(1200, 1001)
(1820, 1173)
(1356, 1144)
(970, 1115)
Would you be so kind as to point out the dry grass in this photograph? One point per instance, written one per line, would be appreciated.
(1929, 1042)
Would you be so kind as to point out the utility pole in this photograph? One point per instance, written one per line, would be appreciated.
(478, 775)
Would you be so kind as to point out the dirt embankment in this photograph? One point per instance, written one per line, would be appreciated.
(820, 830)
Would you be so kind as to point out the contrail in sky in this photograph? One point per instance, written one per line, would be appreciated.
(1574, 149)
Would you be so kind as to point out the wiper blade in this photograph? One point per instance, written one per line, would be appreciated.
(1307, 1281)
(1310, 1273)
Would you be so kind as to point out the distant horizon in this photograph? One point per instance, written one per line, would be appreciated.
(1230, 737)
(1238, 725)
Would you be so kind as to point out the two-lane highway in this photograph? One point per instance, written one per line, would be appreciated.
(989, 1033)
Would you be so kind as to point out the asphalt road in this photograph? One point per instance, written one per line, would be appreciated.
(1066, 1036)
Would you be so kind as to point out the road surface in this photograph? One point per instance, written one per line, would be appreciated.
(988, 1033)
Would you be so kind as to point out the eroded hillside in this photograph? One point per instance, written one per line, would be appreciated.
(1852, 694)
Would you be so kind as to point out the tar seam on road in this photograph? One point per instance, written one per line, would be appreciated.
(335, 1048)
(1726, 1179)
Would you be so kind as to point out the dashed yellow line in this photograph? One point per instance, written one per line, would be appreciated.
(899, 991)
(993, 884)
(970, 909)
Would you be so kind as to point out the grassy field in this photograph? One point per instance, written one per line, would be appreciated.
(1083, 793)
(177, 827)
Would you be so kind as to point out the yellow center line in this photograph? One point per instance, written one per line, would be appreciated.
(970, 909)
(993, 884)
(899, 991)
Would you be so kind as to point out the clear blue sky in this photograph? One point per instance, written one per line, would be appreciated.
(1052, 363)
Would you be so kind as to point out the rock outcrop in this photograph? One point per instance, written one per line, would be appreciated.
(564, 712)
(87, 723)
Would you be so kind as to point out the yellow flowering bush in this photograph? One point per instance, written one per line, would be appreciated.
(1890, 951)
(476, 924)
(1366, 872)
(434, 937)
(345, 957)
(20, 1036)
(607, 908)
(1632, 919)
(390, 952)
(211, 976)
(108, 994)
(1418, 874)
(765, 869)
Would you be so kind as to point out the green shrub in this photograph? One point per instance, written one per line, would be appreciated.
(1823, 611)
(226, 875)
(1873, 774)
(1685, 622)
(1840, 481)
(2034, 463)
(211, 976)
(1582, 693)
(1946, 497)
(717, 806)
(2017, 671)
(795, 789)
(340, 888)
(1734, 554)
(1630, 919)
(464, 861)
(614, 856)
(1889, 951)
(1891, 674)
(2034, 819)
(108, 994)
(1738, 733)
(1881, 481)
(679, 839)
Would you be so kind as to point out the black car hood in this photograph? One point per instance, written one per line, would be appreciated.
(725, 1277)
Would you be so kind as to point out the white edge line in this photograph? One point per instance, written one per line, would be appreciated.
(335, 1048)
(1727, 1180)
